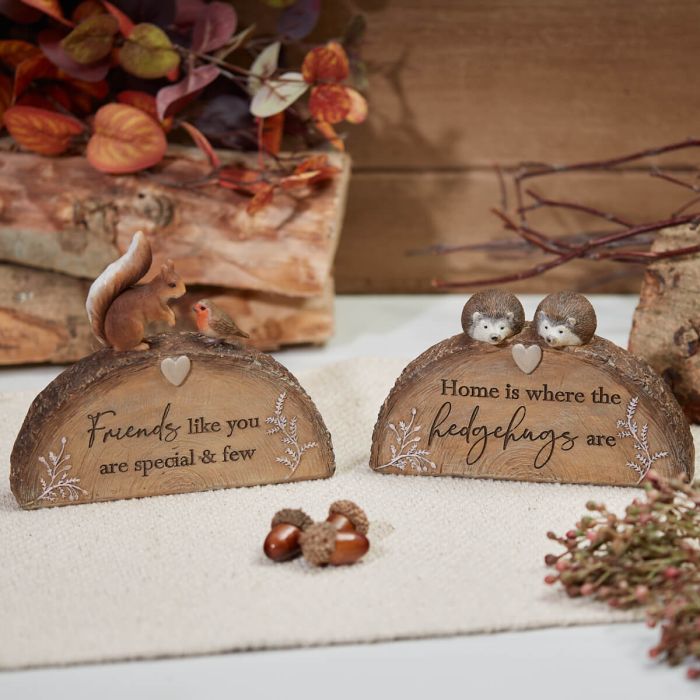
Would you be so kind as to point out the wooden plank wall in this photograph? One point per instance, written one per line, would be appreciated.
(458, 85)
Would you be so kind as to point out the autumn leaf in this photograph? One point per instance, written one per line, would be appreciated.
(92, 39)
(329, 133)
(261, 199)
(310, 171)
(32, 69)
(49, 7)
(40, 130)
(172, 98)
(52, 98)
(358, 107)
(87, 8)
(13, 52)
(5, 95)
(271, 133)
(327, 63)
(126, 26)
(299, 19)
(144, 102)
(148, 52)
(125, 140)
(202, 143)
(214, 26)
(330, 103)
(277, 94)
(50, 43)
(241, 179)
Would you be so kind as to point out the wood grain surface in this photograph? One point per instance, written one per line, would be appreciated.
(588, 414)
(186, 415)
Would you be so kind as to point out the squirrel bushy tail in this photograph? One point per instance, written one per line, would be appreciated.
(124, 272)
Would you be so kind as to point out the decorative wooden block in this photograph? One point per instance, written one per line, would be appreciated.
(185, 415)
(592, 413)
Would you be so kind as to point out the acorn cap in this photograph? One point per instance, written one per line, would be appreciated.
(318, 543)
(292, 516)
(353, 513)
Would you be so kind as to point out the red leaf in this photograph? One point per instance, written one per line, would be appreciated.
(329, 133)
(31, 69)
(261, 199)
(327, 63)
(53, 98)
(168, 99)
(87, 8)
(13, 52)
(144, 102)
(5, 95)
(51, 8)
(203, 143)
(214, 26)
(42, 131)
(98, 90)
(271, 133)
(358, 107)
(330, 103)
(126, 26)
(50, 43)
(241, 179)
(310, 172)
(125, 140)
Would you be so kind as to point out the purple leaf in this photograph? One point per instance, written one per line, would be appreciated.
(215, 25)
(50, 43)
(158, 12)
(196, 80)
(187, 11)
(299, 19)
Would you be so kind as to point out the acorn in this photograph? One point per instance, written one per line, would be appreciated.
(282, 542)
(323, 544)
(346, 516)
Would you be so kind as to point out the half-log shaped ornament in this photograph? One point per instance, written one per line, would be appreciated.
(167, 414)
(185, 415)
(544, 401)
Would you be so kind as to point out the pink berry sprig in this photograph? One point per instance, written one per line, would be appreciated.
(649, 557)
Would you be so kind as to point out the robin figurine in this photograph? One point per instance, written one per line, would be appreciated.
(216, 324)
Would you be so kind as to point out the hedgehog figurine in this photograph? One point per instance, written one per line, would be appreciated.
(492, 316)
(565, 318)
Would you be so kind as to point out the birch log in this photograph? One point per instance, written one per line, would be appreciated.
(666, 326)
(60, 214)
(42, 316)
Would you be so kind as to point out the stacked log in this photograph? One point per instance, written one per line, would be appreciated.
(61, 223)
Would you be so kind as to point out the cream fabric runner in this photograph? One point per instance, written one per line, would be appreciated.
(179, 575)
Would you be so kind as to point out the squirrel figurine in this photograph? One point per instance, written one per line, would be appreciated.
(118, 311)
(492, 316)
(564, 319)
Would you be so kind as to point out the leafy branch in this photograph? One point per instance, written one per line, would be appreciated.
(288, 435)
(59, 484)
(405, 452)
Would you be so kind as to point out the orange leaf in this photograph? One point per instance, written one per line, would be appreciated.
(50, 7)
(262, 198)
(271, 133)
(126, 139)
(13, 52)
(126, 26)
(51, 98)
(317, 164)
(327, 63)
(146, 103)
(329, 133)
(203, 143)
(330, 103)
(87, 8)
(98, 90)
(40, 130)
(358, 107)
(31, 69)
(241, 179)
(5, 95)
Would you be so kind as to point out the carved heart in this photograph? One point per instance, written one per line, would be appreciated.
(527, 359)
(175, 369)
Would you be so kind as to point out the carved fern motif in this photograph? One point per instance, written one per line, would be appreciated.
(58, 484)
(628, 428)
(288, 435)
(405, 453)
